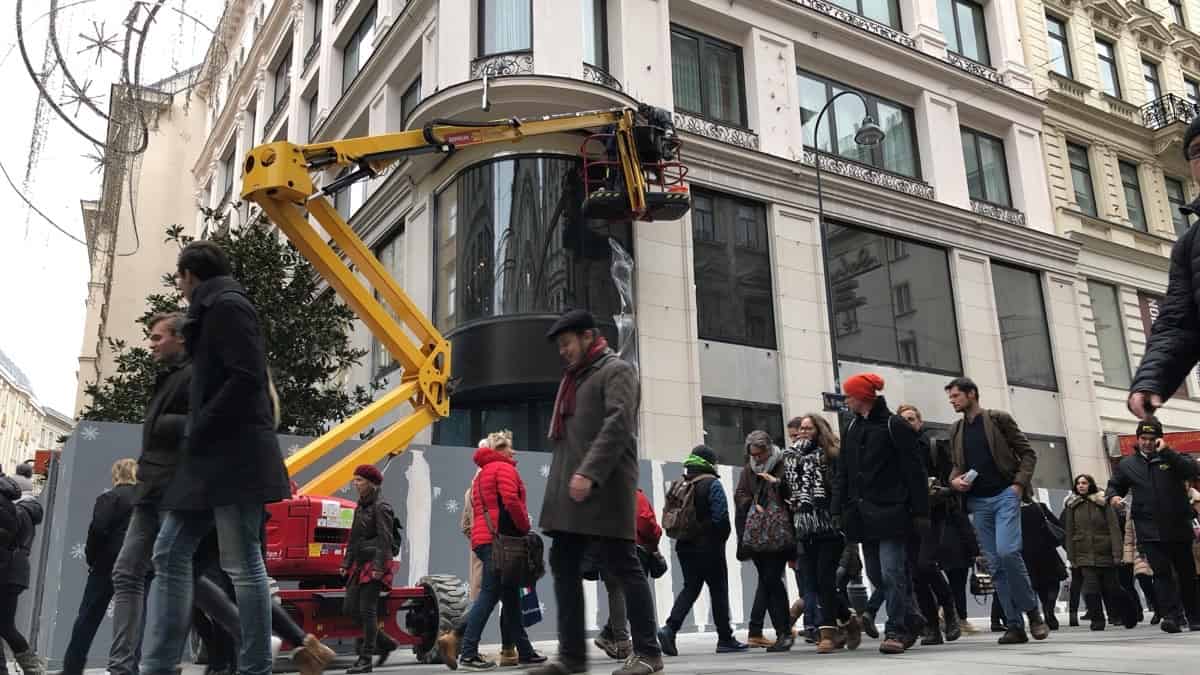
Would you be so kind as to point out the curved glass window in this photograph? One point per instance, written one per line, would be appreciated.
(511, 240)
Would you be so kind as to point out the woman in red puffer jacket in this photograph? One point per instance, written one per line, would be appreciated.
(498, 506)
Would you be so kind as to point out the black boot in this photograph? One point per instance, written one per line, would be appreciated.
(1098, 622)
(953, 629)
(362, 665)
(1074, 621)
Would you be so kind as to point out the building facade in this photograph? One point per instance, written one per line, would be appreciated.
(1121, 81)
(25, 425)
(141, 194)
(944, 246)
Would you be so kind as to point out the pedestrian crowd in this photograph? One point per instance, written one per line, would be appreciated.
(177, 542)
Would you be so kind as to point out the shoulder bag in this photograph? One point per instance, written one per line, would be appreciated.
(769, 529)
(518, 560)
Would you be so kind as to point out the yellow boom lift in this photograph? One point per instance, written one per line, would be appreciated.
(630, 171)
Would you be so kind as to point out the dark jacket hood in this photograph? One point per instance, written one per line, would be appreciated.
(485, 456)
(879, 411)
(9, 488)
(33, 507)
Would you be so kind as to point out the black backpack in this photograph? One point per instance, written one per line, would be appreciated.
(397, 534)
(680, 520)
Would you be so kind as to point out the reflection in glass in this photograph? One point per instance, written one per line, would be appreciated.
(512, 241)
(507, 26)
(867, 268)
(897, 153)
(1024, 334)
(727, 423)
(1110, 337)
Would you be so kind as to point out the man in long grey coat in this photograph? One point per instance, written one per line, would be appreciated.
(591, 493)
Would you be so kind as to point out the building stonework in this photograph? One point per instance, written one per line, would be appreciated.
(957, 247)
(26, 425)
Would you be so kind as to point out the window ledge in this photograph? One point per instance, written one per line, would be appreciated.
(870, 174)
(859, 21)
(1069, 87)
(718, 131)
(1121, 108)
(974, 67)
(1004, 214)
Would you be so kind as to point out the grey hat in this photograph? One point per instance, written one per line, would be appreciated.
(574, 320)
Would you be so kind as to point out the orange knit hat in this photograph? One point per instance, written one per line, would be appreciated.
(864, 386)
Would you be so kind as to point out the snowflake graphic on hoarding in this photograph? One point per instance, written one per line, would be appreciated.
(452, 505)
(78, 552)
(89, 432)
(545, 470)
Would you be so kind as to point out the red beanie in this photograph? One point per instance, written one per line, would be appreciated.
(369, 472)
(864, 386)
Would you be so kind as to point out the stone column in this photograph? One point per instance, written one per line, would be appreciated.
(1004, 40)
(455, 41)
(920, 19)
(640, 46)
(773, 101)
(940, 148)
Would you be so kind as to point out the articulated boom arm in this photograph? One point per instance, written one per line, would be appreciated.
(277, 176)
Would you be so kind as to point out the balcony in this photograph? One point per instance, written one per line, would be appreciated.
(997, 212)
(311, 54)
(1121, 108)
(600, 76)
(1069, 87)
(503, 65)
(858, 21)
(869, 174)
(338, 7)
(743, 138)
(1167, 110)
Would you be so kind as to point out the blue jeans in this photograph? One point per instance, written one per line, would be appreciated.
(491, 591)
(239, 537)
(998, 522)
(893, 581)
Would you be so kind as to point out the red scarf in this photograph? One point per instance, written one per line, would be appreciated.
(564, 401)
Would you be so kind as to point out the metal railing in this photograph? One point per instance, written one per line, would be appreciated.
(1166, 110)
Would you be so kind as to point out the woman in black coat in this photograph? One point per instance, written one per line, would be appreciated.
(956, 556)
(27, 515)
(1040, 530)
(368, 567)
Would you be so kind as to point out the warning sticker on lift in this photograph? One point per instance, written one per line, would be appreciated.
(333, 514)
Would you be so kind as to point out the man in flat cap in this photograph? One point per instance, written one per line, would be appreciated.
(1174, 344)
(591, 493)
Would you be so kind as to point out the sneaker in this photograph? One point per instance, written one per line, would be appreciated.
(640, 665)
(1037, 625)
(731, 645)
(1168, 625)
(758, 641)
(1013, 636)
(474, 662)
(868, 625)
(447, 646)
(666, 639)
(892, 644)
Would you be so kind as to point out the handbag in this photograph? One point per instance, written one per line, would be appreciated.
(981, 580)
(512, 557)
(769, 529)
(1060, 535)
(531, 609)
(653, 562)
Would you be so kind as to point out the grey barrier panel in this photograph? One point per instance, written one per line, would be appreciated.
(425, 485)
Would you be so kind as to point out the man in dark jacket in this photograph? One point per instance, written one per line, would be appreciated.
(162, 435)
(993, 465)
(110, 519)
(231, 465)
(14, 578)
(1174, 343)
(591, 492)
(702, 556)
(879, 492)
(1162, 519)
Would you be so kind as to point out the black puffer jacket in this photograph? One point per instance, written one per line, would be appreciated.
(1161, 508)
(880, 486)
(1174, 344)
(29, 515)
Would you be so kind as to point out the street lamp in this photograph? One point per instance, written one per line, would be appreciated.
(869, 134)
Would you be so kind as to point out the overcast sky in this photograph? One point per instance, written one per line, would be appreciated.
(43, 273)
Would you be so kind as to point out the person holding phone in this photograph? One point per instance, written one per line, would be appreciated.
(993, 466)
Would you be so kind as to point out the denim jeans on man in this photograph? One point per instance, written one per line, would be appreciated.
(97, 592)
(998, 522)
(239, 533)
(129, 590)
(492, 591)
(894, 582)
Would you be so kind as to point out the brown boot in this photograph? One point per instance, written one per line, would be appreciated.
(759, 641)
(853, 631)
(447, 644)
(826, 644)
(312, 657)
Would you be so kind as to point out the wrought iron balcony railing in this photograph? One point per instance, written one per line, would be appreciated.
(600, 76)
(503, 65)
(1167, 110)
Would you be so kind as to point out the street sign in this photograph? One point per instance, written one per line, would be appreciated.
(833, 402)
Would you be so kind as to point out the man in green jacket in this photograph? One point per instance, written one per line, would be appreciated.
(993, 465)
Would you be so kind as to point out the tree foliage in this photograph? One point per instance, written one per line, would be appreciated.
(307, 335)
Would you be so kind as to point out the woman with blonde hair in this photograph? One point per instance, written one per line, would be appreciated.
(110, 518)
